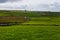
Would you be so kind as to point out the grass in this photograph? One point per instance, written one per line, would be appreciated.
(22, 32)
(44, 20)
(38, 28)
(32, 32)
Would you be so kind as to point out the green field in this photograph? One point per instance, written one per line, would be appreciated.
(38, 28)
(32, 31)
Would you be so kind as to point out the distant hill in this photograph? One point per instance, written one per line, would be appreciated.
(29, 13)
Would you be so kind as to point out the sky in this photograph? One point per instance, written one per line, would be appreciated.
(31, 5)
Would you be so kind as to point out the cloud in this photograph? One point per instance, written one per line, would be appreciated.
(36, 5)
(3, 1)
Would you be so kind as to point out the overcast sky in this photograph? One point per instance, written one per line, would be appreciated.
(36, 5)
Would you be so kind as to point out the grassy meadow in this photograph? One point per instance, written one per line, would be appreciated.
(40, 27)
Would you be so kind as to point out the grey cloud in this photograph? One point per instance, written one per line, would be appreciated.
(14, 0)
(3, 1)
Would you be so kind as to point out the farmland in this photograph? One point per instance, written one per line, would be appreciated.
(42, 26)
